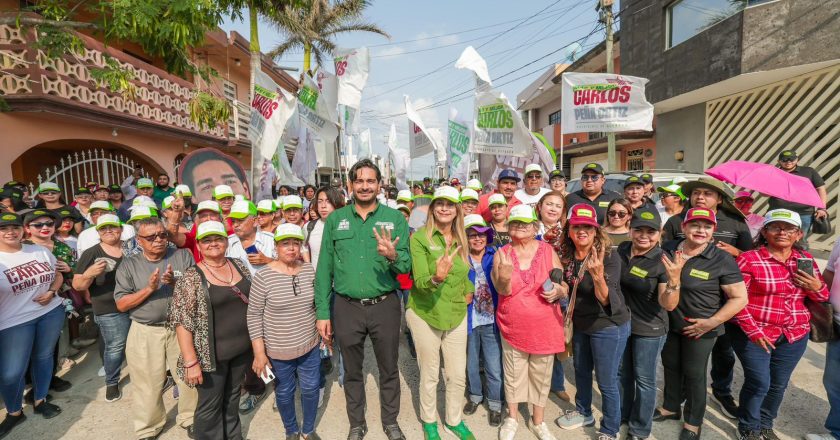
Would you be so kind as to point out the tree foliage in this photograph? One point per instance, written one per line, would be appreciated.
(313, 25)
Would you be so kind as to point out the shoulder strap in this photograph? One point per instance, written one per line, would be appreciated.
(309, 228)
(573, 297)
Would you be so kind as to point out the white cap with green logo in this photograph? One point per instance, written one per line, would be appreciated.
(782, 215)
(210, 228)
(107, 220)
(288, 230)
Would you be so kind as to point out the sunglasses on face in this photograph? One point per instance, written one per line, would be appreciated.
(787, 160)
(154, 237)
(592, 177)
(619, 214)
(42, 225)
(50, 193)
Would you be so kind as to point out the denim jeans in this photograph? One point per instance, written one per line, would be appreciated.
(308, 370)
(600, 351)
(638, 382)
(35, 338)
(485, 341)
(807, 219)
(831, 381)
(766, 377)
(114, 330)
(558, 377)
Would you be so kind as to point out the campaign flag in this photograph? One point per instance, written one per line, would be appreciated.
(604, 102)
(314, 110)
(540, 153)
(459, 146)
(402, 160)
(352, 67)
(271, 110)
(365, 149)
(419, 142)
(305, 162)
(497, 128)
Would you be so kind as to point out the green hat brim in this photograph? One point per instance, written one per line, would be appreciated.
(522, 219)
(283, 237)
(453, 200)
(209, 233)
(286, 207)
(102, 225)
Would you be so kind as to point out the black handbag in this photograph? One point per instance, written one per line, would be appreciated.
(823, 328)
(821, 225)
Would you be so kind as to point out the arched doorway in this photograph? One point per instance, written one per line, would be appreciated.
(73, 162)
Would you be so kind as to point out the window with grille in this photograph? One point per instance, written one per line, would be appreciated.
(229, 89)
(554, 118)
(635, 159)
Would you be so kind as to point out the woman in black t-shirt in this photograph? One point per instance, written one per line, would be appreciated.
(96, 272)
(600, 316)
(712, 291)
(650, 283)
(209, 315)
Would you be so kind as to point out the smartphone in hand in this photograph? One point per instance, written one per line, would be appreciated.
(805, 265)
(252, 250)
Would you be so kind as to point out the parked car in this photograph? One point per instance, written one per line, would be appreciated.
(615, 180)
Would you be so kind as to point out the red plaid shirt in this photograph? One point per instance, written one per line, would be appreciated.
(776, 305)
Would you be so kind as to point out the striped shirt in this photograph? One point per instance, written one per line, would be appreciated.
(281, 311)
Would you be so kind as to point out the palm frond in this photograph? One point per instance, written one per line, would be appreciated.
(356, 27)
(282, 48)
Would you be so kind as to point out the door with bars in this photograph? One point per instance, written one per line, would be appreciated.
(80, 167)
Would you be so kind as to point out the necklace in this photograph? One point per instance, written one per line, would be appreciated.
(681, 248)
(215, 267)
(229, 282)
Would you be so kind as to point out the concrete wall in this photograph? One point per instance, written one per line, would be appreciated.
(709, 57)
(682, 129)
(789, 33)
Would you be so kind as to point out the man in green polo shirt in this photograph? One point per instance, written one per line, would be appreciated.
(363, 249)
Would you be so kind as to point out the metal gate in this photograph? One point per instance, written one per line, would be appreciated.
(93, 165)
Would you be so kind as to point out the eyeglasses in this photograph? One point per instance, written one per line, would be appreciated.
(295, 285)
(49, 193)
(154, 237)
(619, 214)
(42, 225)
(475, 236)
(592, 177)
(518, 225)
(780, 230)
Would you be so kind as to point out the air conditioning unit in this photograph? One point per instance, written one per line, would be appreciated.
(574, 140)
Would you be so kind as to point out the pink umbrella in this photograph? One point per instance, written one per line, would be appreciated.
(768, 180)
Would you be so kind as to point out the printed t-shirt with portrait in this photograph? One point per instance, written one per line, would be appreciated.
(27, 274)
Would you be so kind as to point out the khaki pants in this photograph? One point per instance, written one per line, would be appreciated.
(149, 351)
(527, 376)
(429, 343)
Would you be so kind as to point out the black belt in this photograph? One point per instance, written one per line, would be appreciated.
(366, 301)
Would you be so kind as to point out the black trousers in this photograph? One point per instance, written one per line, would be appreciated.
(723, 362)
(253, 384)
(685, 361)
(353, 323)
(217, 411)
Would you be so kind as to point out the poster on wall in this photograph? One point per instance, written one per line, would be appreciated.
(204, 169)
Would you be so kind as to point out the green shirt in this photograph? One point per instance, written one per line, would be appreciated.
(443, 306)
(349, 262)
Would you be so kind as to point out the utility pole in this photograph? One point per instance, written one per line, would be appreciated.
(606, 17)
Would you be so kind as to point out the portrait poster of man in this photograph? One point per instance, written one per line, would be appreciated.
(203, 169)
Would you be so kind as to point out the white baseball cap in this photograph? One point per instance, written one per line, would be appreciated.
(448, 193)
(167, 202)
(496, 199)
(107, 220)
(531, 167)
(145, 182)
(404, 196)
(222, 191)
(469, 194)
(266, 206)
(141, 212)
(210, 228)
(208, 205)
(403, 207)
(288, 230)
(242, 209)
(782, 215)
(183, 191)
(475, 185)
(101, 204)
(144, 201)
(48, 186)
(522, 213)
(290, 202)
(474, 220)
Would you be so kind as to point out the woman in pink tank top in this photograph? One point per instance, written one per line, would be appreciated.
(529, 319)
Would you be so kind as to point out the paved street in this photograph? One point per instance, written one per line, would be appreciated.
(87, 416)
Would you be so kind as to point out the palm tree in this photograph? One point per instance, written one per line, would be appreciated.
(314, 25)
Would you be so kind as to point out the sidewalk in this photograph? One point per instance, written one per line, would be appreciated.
(87, 416)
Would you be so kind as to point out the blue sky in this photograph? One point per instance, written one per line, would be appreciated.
(423, 68)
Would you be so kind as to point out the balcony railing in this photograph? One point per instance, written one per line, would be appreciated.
(161, 99)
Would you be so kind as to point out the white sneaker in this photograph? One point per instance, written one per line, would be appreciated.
(101, 372)
(819, 437)
(541, 431)
(574, 420)
(508, 429)
(320, 397)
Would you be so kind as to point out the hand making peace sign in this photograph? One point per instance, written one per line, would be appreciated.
(444, 263)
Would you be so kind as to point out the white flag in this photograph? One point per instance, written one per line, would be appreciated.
(459, 147)
(497, 127)
(315, 111)
(365, 149)
(402, 160)
(305, 161)
(605, 102)
(352, 67)
(420, 144)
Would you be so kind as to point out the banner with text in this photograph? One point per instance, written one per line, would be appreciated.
(402, 159)
(490, 166)
(419, 142)
(459, 146)
(314, 109)
(352, 67)
(604, 102)
(497, 128)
